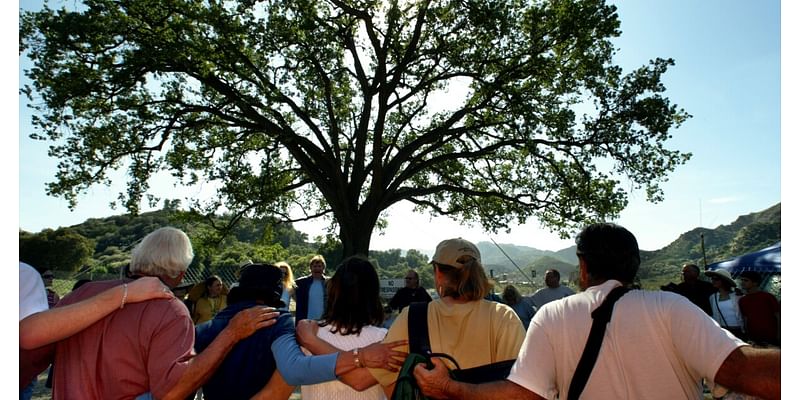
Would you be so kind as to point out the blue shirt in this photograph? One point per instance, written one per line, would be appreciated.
(286, 296)
(316, 299)
(251, 362)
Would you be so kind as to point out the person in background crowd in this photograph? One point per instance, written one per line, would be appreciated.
(725, 303)
(657, 345)
(523, 308)
(213, 300)
(288, 284)
(693, 288)
(182, 293)
(352, 319)
(553, 291)
(52, 296)
(310, 293)
(79, 283)
(491, 295)
(760, 310)
(410, 293)
(144, 350)
(460, 322)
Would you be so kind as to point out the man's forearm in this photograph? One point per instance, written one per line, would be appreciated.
(60, 323)
(437, 383)
(275, 389)
(492, 390)
(753, 371)
(357, 378)
(202, 366)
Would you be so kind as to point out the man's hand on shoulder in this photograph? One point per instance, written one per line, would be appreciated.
(147, 288)
(247, 322)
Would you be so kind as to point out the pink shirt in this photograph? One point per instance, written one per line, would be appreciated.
(144, 347)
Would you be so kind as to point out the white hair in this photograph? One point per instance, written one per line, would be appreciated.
(166, 251)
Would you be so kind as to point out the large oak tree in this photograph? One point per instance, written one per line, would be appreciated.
(491, 112)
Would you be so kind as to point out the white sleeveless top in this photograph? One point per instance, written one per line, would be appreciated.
(336, 390)
(726, 312)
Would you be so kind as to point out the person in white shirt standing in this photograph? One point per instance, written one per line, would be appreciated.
(725, 303)
(657, 345)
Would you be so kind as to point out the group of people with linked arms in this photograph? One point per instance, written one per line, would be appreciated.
(131, 338)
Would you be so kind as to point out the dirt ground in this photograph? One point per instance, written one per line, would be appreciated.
(42, 393)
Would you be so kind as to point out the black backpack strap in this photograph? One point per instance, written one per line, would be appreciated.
(418, 341)
(496, 371)
(600, 316)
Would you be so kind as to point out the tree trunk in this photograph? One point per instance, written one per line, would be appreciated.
(355, 234)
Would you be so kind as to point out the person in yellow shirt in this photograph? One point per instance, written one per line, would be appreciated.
(213, 299)
(461, 323)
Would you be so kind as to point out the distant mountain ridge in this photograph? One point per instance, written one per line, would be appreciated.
(746, 234)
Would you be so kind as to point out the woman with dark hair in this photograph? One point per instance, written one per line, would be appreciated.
(352, 319)
(211, 302)
(514, 299)
(725, 303)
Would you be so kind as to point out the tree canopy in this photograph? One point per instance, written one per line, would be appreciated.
(491, 112)
(62, 249)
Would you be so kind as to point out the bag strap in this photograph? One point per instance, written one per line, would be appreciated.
(600, 316)
(716, 301)
(418, 341)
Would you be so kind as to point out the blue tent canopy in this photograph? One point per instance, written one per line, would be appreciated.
(766, 261)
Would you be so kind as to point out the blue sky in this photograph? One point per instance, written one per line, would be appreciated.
(727, 75)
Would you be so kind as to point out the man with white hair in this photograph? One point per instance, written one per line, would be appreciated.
(145, 350)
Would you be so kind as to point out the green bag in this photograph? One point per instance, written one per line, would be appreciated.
(420, 352)
(406, 386)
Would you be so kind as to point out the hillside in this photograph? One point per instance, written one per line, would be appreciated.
(113, 237)
(746, 234)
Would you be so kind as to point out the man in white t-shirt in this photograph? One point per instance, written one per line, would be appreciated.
(32, 299)
(32, 294)
(658, 345)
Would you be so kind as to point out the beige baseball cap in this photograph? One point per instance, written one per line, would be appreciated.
(449, 251)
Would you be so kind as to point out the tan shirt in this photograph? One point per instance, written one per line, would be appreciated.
(474, 333)
(207, 307)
